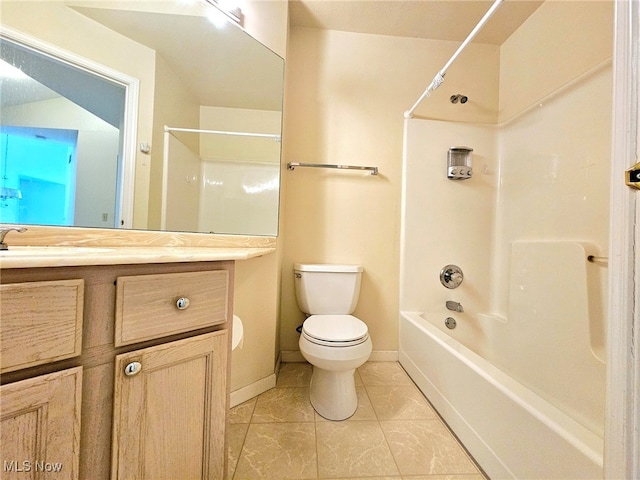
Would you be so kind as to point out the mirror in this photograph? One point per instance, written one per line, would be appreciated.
(166, 118)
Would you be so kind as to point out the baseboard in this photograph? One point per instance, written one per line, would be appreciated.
(278, 363)
(252, 390)
(384, 356)
(290, 356)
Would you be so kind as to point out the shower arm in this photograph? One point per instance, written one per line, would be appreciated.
(439, 78)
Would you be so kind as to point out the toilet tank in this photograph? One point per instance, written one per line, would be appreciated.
(323, 289)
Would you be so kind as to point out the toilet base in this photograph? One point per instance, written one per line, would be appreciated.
(333, 393)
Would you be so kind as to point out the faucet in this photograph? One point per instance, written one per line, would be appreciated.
(3, 233)
(451, 276)
(455, 306)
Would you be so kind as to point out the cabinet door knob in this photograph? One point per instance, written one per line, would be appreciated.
(132, 369)
(182, 303)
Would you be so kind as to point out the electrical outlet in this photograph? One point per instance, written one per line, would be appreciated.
(105, 217)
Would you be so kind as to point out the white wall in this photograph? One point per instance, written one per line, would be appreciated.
(240, 174)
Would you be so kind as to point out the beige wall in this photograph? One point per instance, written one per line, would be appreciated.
(267, 21)
(577, 37)
(257, 289)
(346, 95)
(257, 295)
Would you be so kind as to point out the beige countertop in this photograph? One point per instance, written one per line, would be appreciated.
(42, 246)
(71, 256)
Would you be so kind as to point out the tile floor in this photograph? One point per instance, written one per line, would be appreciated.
(395, 434)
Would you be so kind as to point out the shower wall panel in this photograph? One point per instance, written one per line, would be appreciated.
(521, 230)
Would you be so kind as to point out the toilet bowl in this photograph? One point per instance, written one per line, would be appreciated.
(331, 339)
(334, 359)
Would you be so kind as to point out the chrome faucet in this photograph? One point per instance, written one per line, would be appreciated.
(451, 276)
(454, 306)
(3, 233)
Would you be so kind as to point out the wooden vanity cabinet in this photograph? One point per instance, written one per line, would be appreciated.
(40, 427)
(40, 323)
(167, 420)
(169, 410)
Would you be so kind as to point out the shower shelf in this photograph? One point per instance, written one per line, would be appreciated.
(293, 165)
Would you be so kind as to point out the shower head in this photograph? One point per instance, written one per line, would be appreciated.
(458, 98)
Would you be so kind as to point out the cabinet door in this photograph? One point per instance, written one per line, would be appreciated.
(40, 426)
(170, 406)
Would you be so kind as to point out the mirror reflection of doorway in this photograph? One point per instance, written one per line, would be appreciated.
(61, 131)
(38, 175)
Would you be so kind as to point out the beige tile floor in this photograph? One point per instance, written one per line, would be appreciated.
(395, 434)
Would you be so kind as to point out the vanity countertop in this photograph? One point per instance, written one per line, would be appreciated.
(71, 256)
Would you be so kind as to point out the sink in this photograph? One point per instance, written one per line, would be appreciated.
(33, 251)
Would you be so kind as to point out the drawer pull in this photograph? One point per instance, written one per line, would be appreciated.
(183, 303)
(132, 369)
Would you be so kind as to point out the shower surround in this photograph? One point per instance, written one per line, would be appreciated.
(521, 378)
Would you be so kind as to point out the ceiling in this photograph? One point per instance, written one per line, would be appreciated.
(221, 65)
(432, 19)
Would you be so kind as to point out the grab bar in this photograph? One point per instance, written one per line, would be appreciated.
(595, 258)
(293, 165)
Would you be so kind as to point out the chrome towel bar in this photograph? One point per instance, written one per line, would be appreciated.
(293, 165)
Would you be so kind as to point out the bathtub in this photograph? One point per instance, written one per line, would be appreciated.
(509, 430)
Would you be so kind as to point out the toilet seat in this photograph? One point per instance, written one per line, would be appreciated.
(335, 330)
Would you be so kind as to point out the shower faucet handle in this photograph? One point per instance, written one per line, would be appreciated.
(451, 276)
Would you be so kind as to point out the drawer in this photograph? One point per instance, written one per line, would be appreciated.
(147, 305)
(41, 322)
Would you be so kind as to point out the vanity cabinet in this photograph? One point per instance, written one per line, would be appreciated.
(150, 375)
(169, 410)
(40, 427)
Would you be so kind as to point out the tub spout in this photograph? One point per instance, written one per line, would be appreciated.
(454, 306)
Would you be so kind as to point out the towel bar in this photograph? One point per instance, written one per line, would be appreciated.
(293, 165)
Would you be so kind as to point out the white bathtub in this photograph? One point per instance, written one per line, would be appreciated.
(509, 430)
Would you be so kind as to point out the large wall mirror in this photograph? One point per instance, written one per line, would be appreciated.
(154, 115)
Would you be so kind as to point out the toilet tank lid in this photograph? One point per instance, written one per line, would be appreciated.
(323, 267)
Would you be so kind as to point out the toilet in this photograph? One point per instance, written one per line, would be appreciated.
(332, 340)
